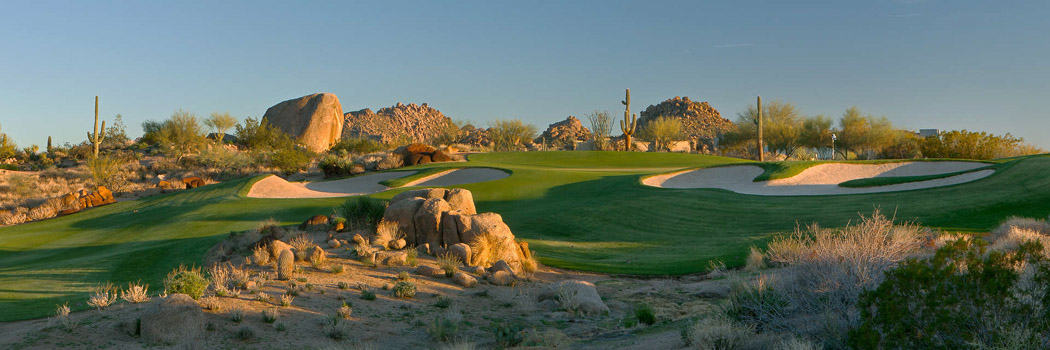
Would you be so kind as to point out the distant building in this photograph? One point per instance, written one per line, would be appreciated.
(928, 132)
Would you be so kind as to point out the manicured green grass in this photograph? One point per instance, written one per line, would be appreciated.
(578, 210)
(421, 173)
(896, 180)
(54, 261)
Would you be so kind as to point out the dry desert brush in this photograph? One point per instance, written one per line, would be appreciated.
(136, 293)
(824, 272)
(103, 295)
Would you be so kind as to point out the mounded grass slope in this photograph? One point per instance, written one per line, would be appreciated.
(579, 210)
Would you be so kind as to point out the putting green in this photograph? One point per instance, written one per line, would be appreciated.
(579, 210)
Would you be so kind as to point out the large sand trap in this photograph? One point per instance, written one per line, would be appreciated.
(459, 177)
(276, 187)
(820, 179)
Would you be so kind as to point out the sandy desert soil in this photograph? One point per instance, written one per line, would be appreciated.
(821, 179)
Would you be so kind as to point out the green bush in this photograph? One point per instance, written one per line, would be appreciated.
(291, 159)
(363, 211)
(405, 289)
(962, 297)
(368, 295)
(357, 145)
(507, 335)
(186, 280)
(644, 313)
(262, 136)
(336, 166)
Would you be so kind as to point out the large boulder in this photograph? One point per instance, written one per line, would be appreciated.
(177, 319)
(403, 212)
(581, 294)
(450, 228)
(314, 120)
(462, 200)
(428, 222)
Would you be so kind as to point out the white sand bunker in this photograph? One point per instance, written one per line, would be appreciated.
(823, 179)
(459, 177)
(276, 187)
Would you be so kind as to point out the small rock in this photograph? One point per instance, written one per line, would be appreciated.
(391, 257)
(461, 251)
(334, 243)
(438, 250)
(424, 248)
(464, 279)
(398, 244)
(430, 271)
(358, 239)
(501, 266)
(477, 270)
(501, 278)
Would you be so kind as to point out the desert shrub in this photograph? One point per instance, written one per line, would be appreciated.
(345, 311)
(507, 334)
(357, 145)
(136, 293)
(410, 257)
(404, 289)
(179, 135)
(459, 345)
(186, 280)
(644, 313)
(261, 255)
(549, 338)
(337, 166)
(287, 299)
(62, 317)
(106, 171)
(337, 269)
(443, 303)
(445, 326)
(291, 160)
(336, 328)
(510, 135)
(262, 136)
(529, 265)
(222, 280)
(962, 297)
(363, 211)
(826, 271)
(487, 249)
(269, 315)
(403, 276)
(368, 294)
(285, 265)
(245, 333)
(103, 295)
(448, 262)
(718, 333)
(970, 145)
(755, 260)
(224, 159)
(237, 315)
(601, 128)
(44, 211)
(662, 131)
(301, 243)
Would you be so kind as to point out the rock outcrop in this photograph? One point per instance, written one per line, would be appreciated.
(445, 220)
(80, 200)
(701, 123)
(314, 120)
(418, 123)
(475, 137)
(418, 153)
(565, 134)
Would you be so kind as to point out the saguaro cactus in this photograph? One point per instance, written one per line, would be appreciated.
(629, 122)
(761, 147)
(99, 135)
(49, 144)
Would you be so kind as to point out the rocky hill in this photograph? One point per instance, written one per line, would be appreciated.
(702, 123)
(400, 123)
(565, 133)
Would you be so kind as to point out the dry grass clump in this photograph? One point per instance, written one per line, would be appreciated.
(549, 338)
(755, 260)
(103, 295)
(62, 317)
(1016, 231)
(826, 271)
(261, 255)
(448, 262)
(270, 315)
(446, 326)
(136, 293)
(287, 299)
(345, 311)
(487, 249)
(386, 232)
(301, 243)
(336, 328)
(224, 279)
(718, 333)
(237, 315)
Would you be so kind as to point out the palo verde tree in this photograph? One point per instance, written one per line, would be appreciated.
(601, 127)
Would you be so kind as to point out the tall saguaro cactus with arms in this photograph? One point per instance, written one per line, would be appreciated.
(629, 122)
(100, 134)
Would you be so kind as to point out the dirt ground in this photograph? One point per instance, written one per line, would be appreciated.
(389, 322)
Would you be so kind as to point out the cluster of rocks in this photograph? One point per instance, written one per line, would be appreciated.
(392, 124)
(475, 136)
(313, 120)
(186, 182)
(701, 123)
(565, 134)
(80, 200)
(418, 153)
(442, 220)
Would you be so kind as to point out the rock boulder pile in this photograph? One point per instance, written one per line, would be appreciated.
(314, 120)
(701, 122)
(418, 153)
(565, 134)
(80, 200)
(445, 220)
(391, 124)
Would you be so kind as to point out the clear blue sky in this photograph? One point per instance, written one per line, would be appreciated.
(924, 64)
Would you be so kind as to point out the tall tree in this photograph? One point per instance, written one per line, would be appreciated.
(220, 122)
